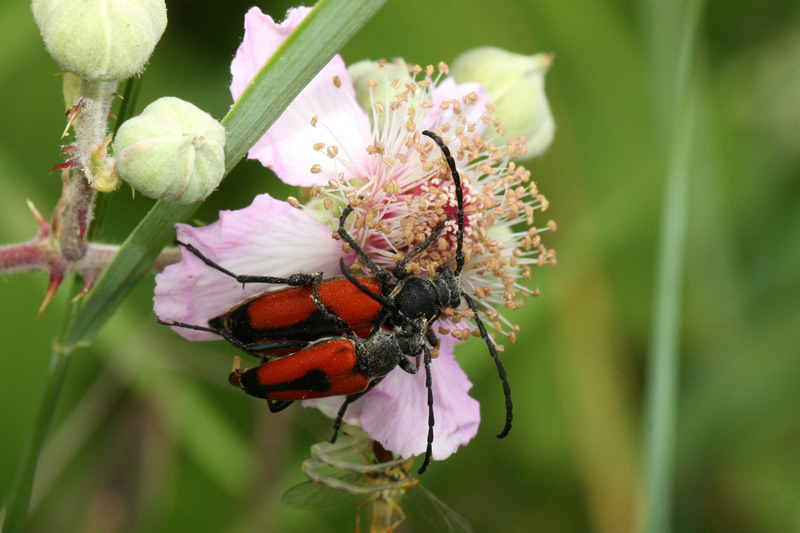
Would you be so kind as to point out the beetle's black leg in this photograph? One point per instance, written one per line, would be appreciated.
(500, 370)
(381, 274)
(354, 280)
(236, 343)
(255, 349)
(327, 314)
(380, 320)
(407, 365)
(350, 398)
(191, 326)
(431, 337)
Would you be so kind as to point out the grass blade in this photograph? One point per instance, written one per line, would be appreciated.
(668, 23)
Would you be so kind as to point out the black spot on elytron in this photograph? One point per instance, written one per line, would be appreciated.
(314, 327)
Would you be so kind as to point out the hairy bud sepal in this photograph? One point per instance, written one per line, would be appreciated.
(173, 151)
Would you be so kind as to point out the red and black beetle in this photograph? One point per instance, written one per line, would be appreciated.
(343, 335)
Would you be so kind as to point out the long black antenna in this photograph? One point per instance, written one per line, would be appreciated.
(500, 370)
(459, 199)
(428, 385)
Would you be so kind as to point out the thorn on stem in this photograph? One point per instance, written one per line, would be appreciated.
(72, 163)
(44, 227)
(72, 114)
(88, 282)
(56, 278)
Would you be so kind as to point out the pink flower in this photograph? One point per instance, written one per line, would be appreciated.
(401, 190)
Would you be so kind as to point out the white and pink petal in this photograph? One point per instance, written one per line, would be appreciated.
(262, 37)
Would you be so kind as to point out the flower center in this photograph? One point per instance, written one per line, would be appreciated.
(402, 190)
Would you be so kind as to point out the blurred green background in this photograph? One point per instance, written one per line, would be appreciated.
(149, 436)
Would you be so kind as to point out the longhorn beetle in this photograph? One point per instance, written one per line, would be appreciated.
(329, 350)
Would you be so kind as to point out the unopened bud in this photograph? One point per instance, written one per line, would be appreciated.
(106, 40)
(516, 84)
(172, 151)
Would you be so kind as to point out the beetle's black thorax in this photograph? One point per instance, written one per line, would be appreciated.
(381, 352)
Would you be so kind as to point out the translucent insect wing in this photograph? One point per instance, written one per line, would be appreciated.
(425, 505)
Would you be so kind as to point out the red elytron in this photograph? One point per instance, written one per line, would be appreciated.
(321, 370)
(294, 311)
(283, 321)
(293, 315)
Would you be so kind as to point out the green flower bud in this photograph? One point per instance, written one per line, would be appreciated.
(373, 81)
(172, 151)
(106, 40)
(516, 84)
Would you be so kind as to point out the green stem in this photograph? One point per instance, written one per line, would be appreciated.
(20, 496)
(126, 107)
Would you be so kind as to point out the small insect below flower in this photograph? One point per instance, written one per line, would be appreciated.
(358, 467)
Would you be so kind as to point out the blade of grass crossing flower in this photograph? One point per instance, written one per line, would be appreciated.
(677, 112)
(302, 55)
(329, 25)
